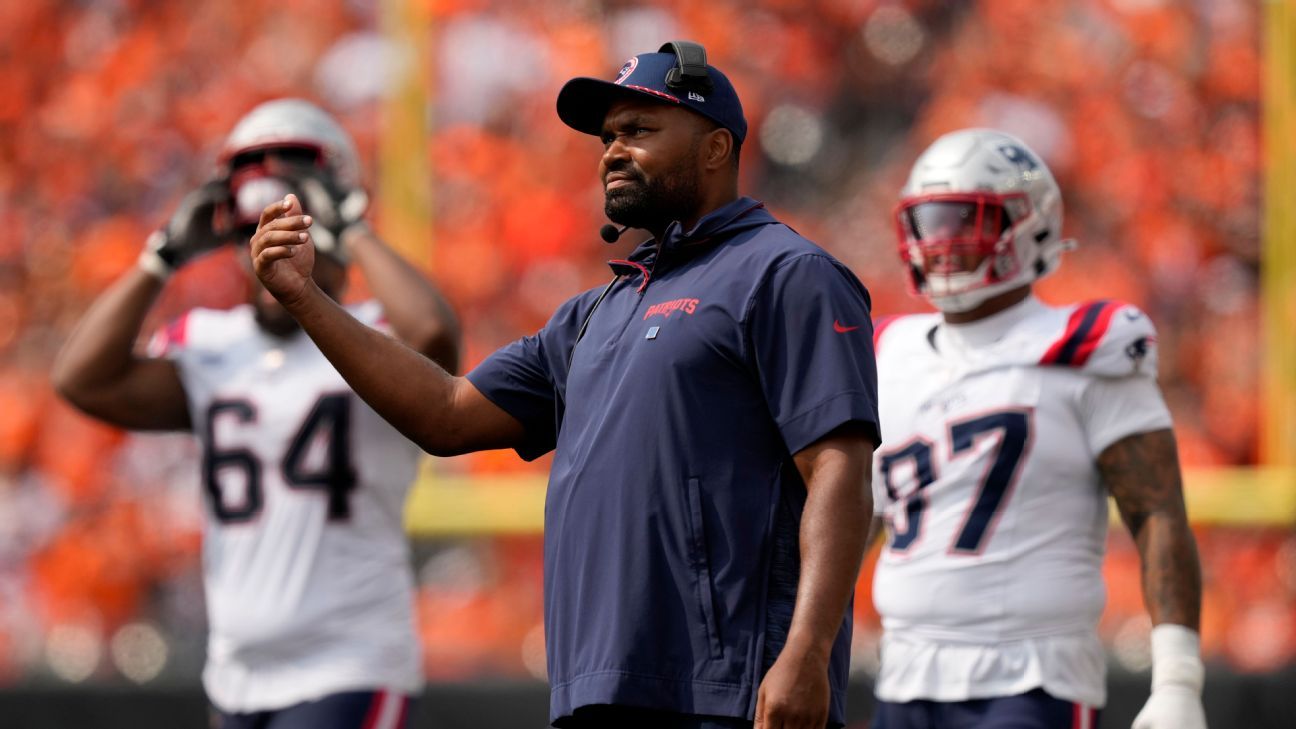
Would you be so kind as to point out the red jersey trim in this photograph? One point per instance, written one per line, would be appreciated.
(1085, 329)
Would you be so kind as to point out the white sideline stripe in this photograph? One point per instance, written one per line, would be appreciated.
(1086, 717)
(390, 710)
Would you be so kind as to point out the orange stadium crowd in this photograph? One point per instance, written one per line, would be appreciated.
(1148, 112)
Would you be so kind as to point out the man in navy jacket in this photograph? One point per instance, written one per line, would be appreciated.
(712, 412)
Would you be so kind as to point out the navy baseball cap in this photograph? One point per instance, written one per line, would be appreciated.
(676, 74)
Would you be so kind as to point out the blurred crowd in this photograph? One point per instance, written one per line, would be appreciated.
(1146, 110)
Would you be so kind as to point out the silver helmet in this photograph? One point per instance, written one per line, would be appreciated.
(980, 215)
(297, 125)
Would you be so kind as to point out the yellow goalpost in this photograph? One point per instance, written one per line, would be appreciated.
(1278, 269)
(404, 173)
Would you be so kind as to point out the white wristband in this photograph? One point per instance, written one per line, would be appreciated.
(152, 264)
(1176, 657)
(149, 260)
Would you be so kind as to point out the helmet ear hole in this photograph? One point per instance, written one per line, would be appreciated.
(1005, 265)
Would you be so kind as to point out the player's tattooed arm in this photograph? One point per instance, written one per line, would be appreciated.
(1142, 474)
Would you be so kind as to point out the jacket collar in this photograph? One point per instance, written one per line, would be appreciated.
(716, 226)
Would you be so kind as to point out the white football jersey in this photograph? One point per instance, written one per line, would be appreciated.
(305, 561)
(990, 583)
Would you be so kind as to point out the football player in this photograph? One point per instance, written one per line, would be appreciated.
(1006, 424)
(307, 570)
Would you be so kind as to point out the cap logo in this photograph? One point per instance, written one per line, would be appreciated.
(695, 96)
(626, 70)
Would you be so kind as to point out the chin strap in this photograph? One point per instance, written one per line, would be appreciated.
(966, 300)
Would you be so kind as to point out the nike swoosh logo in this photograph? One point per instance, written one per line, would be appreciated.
(837, 327)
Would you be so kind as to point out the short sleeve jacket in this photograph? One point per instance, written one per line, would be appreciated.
(673, 504)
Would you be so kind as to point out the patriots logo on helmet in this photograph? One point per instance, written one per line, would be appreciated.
(1018, 156)
(626, 70)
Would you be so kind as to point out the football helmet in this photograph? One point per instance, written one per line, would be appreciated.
(298, 132)
(980, 215)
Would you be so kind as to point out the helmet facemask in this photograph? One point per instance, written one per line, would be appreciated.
(961, 247)
(278, 155)
(296, 132)
(257, 185)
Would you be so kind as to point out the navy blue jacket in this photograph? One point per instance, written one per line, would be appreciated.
(672, 516)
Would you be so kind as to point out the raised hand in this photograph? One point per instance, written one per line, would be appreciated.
(199, 224)
(283, 254)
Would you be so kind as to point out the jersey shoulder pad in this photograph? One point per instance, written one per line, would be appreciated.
(202, 329)
(170, 339)
(1106, 338)
(901, 331)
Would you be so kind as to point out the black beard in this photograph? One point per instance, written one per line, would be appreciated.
(654, 204)
(280, 325)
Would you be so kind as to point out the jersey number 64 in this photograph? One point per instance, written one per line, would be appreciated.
(329, 419)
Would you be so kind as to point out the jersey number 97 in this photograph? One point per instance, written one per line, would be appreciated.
(1014, 431)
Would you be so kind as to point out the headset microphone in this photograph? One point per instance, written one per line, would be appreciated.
(609, 233)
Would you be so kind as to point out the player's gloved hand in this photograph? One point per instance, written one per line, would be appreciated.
(1177, 677)
(199, 224)
(335, 209)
